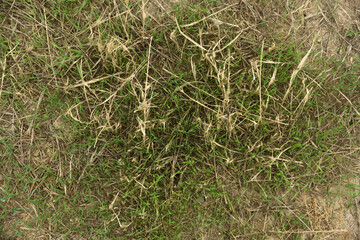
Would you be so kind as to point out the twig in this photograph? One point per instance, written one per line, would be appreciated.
(204, 18)
(358, 215)
(294, 232)
(36, 110)
(350, 103)
(297, 69)
(188, 38)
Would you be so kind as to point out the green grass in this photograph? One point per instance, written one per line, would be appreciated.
(119, 127)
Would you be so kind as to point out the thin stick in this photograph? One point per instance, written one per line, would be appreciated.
(295, 232)
(298, 68)
(350, 103)
(318, 231)
(204, 18)
(188, 38)
(310, 230)
(145, 104)
(232, 41)
(3, 64)
(36, 110)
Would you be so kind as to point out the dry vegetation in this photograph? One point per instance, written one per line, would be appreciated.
(179, 120)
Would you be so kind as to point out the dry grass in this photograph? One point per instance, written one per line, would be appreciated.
(166, 120)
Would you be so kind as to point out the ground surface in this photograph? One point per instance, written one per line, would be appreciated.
(179, 119)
